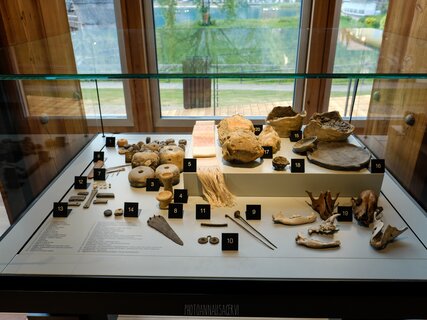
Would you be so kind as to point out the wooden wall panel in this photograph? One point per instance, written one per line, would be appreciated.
(403, 50)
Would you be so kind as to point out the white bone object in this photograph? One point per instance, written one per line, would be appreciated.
(383, 234)
(294, 220)
(316, 244)
(327, 227)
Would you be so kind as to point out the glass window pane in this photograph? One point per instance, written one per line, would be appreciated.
(229, 36)
(96, 50)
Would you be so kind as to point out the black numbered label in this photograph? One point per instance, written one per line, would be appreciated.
(190, 165)
(295, 136)
(80, 182)
(253, 212)
(60, 209)
(346, 213)
(377, 166)
(110, 141)
(203, 211)
(98, 155)
(180, 195)
(131, 210)
(258, 128)
(99, 174)
(297, 165)
(268, 152)
(175, 211)
(153, 184)
(230, 241)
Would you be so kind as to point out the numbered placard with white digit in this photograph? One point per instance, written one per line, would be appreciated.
(297, 165)
(295, 135)
(180, 195)
(153, 184)
(131, 210)
(258, 129)
(190, 165)
(60, 209)
(203, 211)
(253, 212)
(98, 155)
(80, 182)
(377, 166)
(346, 213)
(230, 241)
(99, 174)
(175, 211)
(110, 142)
(268, 152)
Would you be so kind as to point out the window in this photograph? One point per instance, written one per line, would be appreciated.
(96, 49)
(229, 36)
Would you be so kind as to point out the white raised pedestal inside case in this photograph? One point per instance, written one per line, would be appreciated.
(259, 179)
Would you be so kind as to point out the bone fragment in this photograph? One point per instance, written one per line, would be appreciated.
(326, 227)
(383, 234)
(294, 220)
(316, 244)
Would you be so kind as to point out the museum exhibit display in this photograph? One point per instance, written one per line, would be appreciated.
(188, 183)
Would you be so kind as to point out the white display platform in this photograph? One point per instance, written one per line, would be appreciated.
(87, 243)
(259, 179)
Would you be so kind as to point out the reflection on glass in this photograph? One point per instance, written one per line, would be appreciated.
(225, 37)
(96, 50)
(358, 46)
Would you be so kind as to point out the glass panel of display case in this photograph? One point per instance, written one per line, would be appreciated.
(43, 126)
(395, 130)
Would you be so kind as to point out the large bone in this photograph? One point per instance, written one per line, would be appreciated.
(327, 227)
(316, 244)
(294, 220)
(383, 234)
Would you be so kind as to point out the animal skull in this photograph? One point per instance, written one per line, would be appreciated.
(382, 235)
(324, 205)
(364, 207)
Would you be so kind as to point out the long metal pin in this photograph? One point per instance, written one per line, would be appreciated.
(237, 215)
(248, 231)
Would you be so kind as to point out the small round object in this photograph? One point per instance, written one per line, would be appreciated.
(182, 146)
(203, 240)
(280, 163)
(118, 212)
(182, 141)
(122, 151)
(213, 240)
(147, 140)
(122, 142)
(126, 146)
(108, 213)
(410, 119)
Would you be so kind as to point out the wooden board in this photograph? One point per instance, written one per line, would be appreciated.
(339, 156)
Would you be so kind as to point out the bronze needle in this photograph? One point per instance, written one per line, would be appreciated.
(247, 230)
(237, 215)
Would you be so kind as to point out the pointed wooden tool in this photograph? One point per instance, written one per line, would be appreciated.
(160, 224)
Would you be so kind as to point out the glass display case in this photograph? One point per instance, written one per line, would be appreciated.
(88, 228)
